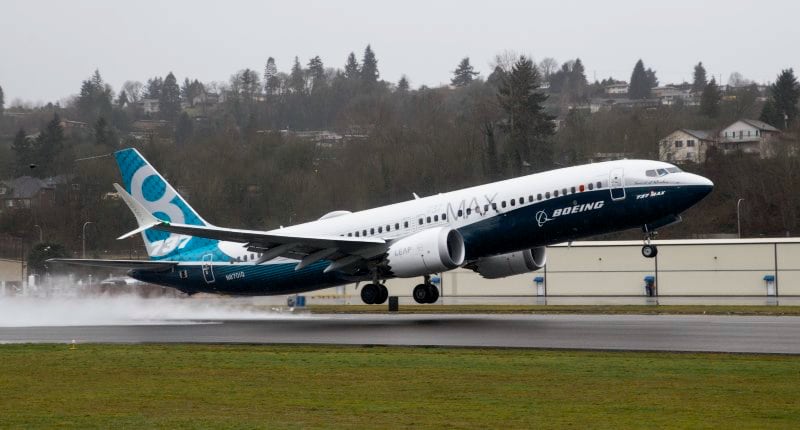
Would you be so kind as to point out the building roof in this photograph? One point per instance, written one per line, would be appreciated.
(700, 134)
(25, 187)
(761, 125)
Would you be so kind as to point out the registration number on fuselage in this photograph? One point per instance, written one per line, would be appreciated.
(233, 276)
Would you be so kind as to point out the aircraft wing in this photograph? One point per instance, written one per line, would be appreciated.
(342, 251)
(156, 266)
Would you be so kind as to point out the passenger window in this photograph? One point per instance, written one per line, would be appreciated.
(591, 186)
(436, 218)
(357, 234)
(485, 208)
(599, 184)
(539, 197)
(494, 206)
(428, 220)
(564, 191)
(469, 211)
(530, 199)
(503, 204)
(572, 190)
(444, 217)
(547, 195)
(245, 258)
(420, 221)
(380, 229)
(513, 202)
(405, 224)
(349, 234)
(388, 228)
(364, 233)
(555, 193)
(460, 213)
(371, 231)
(397, 226)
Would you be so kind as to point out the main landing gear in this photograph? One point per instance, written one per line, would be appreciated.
(374, 294)
(426, 292)
(648, 250)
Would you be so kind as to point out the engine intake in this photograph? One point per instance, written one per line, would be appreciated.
(513, 263)
(430, 251)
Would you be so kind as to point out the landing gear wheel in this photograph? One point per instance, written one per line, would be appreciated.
(649, 251)
(421, 294)
(384, 294)
(433, 293)
(371, 293)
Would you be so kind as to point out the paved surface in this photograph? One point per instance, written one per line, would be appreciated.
(612, 332)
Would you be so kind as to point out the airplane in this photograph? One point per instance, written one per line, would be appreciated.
(497, 230)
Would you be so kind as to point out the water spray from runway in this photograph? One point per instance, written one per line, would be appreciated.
(56, 308)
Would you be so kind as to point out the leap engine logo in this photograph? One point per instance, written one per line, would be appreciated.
(542, 218)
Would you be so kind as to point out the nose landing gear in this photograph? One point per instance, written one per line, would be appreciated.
(649, 250)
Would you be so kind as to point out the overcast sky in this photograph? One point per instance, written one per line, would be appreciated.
(48, 47)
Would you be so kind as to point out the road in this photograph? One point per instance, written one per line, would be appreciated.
(605, 332)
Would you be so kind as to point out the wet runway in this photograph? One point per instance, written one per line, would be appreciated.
(605, 332)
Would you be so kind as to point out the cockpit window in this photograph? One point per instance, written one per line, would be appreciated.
(656, 172)
(673, 170)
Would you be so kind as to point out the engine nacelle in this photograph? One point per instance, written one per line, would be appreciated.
(430, 251)
(513, 263)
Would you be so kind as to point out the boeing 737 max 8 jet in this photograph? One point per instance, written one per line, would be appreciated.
(497, 230)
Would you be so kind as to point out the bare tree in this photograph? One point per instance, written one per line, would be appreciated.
(133, 89)
(548, 66)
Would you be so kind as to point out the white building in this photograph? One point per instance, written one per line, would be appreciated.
(150, 106)
(669, 95)
(617, 89)
(685, 145)
(749, 136)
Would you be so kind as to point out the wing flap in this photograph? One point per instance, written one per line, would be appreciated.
(154, 266)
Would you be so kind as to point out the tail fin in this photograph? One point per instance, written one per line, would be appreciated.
(157, 196)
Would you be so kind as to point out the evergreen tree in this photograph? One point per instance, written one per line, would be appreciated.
(169, 104)
(153, 90)
(640, 83)
(2, 102)
(184, 129)
(23, 152)
(272, 83)
(103, 134)
(95, 98)
(577, 82)
(527, 123)
(122, 99)
(785, 93)
(47, 146)
(369, 67)
(652, 80)
(402, 84)
(316, 73)
(463, 74)
(297, 79)
(497, 77)
(352, 70)
(700, 80)
(710, 99)
(771, 115)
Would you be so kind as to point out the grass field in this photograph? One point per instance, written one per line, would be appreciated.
(191, 386)
(568, 309)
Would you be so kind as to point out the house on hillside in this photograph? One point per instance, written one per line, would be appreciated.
(619, 89)
(27, 192)
(749, 136)
(685, 145)
(150, 106)
(671, 94)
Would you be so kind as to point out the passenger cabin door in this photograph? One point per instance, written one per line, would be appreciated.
(208, 269)
(616, 183)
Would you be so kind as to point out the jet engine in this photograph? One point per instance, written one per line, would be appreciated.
(429, 251)
(513, 263)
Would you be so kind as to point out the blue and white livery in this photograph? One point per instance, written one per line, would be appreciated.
(499, 229)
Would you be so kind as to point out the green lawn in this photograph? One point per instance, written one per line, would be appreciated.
(190, 386)
(567, 309)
